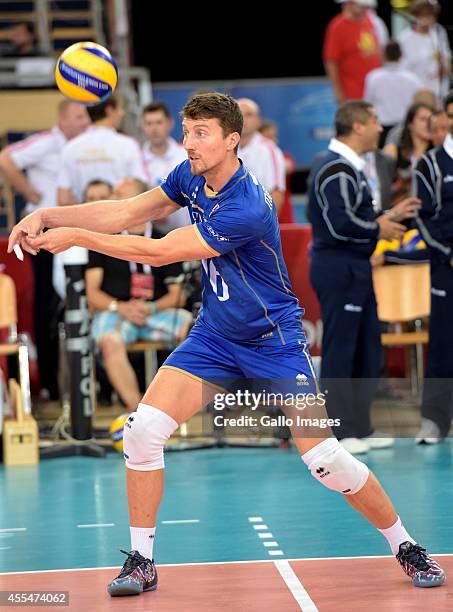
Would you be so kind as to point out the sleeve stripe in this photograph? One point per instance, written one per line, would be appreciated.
(168, 197)
(204, 243)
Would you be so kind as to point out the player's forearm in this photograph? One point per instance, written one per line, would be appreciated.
(16, 177)
(106, 216)
(130, 248)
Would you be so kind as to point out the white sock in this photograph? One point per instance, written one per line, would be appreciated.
(142, 539)
(396, 535)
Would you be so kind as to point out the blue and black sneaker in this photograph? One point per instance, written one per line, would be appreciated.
(137, 575)
(424, 571)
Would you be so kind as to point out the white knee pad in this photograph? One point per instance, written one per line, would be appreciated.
(335, 468)
(145, 433)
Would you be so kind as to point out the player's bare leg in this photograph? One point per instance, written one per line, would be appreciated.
(171, 399)
(338, 470)
(179, 396)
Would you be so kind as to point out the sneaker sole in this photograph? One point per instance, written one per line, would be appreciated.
(429, 583)
(127, 589)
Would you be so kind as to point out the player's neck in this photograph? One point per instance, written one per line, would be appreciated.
(216, 178)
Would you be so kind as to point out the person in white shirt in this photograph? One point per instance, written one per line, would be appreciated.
(391, 89)
(262, 156)
(426, 49)
(31, 166)
(162, 153)
(101, 153)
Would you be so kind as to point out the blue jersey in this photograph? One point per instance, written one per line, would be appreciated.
(246, 289)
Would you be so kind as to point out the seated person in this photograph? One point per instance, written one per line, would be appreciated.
(133, 302)
(22, 41)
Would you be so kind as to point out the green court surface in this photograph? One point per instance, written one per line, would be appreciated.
(72, 512)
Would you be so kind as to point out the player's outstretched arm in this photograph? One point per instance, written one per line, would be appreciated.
(108, 216)
(183, 244)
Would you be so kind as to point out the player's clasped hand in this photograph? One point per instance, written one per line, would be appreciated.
(30, 227)
(54, 240)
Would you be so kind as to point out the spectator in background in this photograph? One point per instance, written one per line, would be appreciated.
(415, 140)
(351, 49)
(379, 24)
(269, 130)
(133, 302)
(435, 221)
(438, 127)
(261, 155)
(344, 238)
(390, 89)
(426, 49)
(22, 41)
(423, 96)
(162, 153)
(95, 191)
(31, 166)
(101, 153)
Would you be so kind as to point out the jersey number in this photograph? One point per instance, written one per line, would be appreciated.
(218, 285)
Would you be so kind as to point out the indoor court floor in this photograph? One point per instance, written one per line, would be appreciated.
(238, 529)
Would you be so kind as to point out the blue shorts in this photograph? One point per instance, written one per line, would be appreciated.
(280, 359)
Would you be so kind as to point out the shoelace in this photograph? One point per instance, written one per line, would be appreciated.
(416, 556)
(132, 562)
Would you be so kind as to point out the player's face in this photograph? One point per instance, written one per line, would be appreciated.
(205, 143)
(156, 127)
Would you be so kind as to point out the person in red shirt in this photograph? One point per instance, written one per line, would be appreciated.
(351, 49)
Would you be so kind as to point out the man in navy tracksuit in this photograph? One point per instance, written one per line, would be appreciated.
(434, 175)
(345, 233)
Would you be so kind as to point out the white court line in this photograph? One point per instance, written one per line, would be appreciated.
(275, 552)
(181, 521)
(270, 544)
(295, 586)
(96, 525)
(268, 534)
(13, 529)
(255, 519)
(114, 567)
(257, 527)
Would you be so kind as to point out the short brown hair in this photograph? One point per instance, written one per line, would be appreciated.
(215, 105)
(350, 112)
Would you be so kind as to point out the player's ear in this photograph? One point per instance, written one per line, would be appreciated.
(233, 141)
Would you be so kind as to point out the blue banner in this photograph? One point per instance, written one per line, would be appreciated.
(303, 110)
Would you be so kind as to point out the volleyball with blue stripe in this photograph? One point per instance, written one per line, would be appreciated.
(86, 73)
